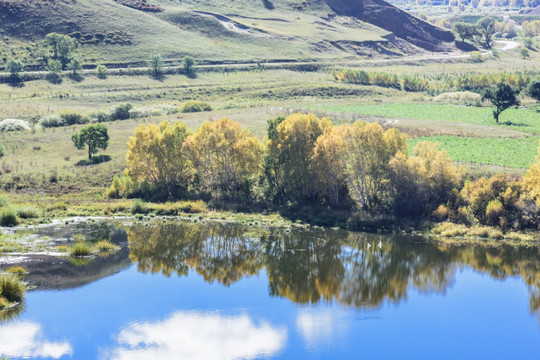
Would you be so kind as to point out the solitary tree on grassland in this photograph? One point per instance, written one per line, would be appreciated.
(503, 97)
(155, 66)
(92, 136)
(188, 63)
(14, 68)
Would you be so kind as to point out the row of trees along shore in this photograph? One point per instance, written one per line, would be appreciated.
(359, 169)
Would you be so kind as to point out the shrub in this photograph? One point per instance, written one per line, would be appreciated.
(467, 98)
(100, 117)
(80, 250)
(13, 125)
(12, 288)
(196, 106)
(120, 112)
(476, 57)
(121, 187)
(73, 118)
(105, 246)
(51, 121)
(8, 217)
(139, 207)
(198, 206)
(28, 212)
(101, 71)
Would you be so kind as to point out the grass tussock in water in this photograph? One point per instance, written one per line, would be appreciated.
(106, 246)
(80, 250)
(12, 289)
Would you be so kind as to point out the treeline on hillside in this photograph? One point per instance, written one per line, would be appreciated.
(436, 83)
(358, 168)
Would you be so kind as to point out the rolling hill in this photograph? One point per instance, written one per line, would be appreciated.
(219, 30)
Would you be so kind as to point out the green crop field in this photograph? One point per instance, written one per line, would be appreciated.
(506, 152)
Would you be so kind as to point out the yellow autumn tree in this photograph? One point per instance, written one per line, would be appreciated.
(326, 165)
(290, 151)
(423, 181)
(226, 156)
(531, 181)
(365, 158)
(156, 157)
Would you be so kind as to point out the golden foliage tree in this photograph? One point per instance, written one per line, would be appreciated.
(226, 156)
(367, 151)
(326, 166)
(291, 152)
(156, 157)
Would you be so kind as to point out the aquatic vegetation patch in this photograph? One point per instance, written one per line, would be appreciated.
(12, 288)
(106, 246)
(80, 250)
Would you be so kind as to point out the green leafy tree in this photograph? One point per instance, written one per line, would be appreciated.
(464, 30)
(503, 97)
(15, 68)
(486, 28)
(101, 71)
(533, 90)
(155, 66)
(92, 136)
(75, 66)
(54, 67)
(61, 47)
(188, 64)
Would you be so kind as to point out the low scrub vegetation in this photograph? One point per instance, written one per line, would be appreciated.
(440, 83)
(9, 125)
(196, 106)
(8, 217)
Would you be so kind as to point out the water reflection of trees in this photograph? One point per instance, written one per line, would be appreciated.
(217, 252)
(311, 266)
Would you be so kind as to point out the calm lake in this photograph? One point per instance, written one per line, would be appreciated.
(222, 291)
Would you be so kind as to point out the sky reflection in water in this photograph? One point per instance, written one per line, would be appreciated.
(219, 292)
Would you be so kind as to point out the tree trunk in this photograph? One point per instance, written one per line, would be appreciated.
(89, 154)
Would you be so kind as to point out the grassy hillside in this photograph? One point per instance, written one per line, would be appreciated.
(120, 32)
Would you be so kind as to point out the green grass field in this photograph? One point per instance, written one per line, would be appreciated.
(525, 120)
(505, 152)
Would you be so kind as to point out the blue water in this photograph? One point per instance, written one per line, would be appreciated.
(135, 315)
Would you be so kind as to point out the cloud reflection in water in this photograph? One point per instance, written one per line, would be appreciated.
(25, 339)
(195, 335)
